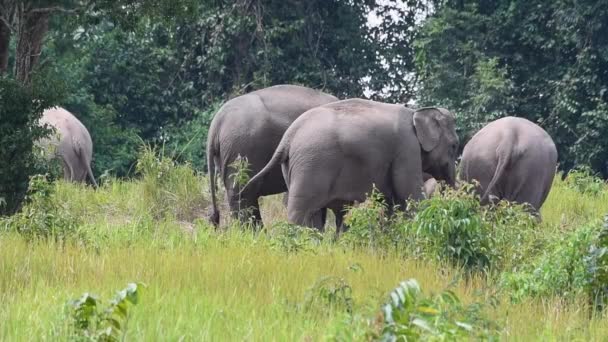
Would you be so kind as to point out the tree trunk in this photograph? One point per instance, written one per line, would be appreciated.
(33, 27)
(5, 39)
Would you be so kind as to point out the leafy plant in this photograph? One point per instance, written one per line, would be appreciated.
(43, 215)
(585, 181)
(21, 107)
(330, 292)
(292, 238)
(453, 228)
(240, 175)
(169, 188)
(596, 262)
(91, 322)
(372, 225)
(569, 265)
(409, 315)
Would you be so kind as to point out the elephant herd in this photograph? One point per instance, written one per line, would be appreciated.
(329, 153)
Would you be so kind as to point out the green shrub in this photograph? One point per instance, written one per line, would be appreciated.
(20, 109)
(451, 226)
(170, 188)
(370, 225)
(409, 315)
(292, 238)
(90, 322)
(454, 226)
(596, 264)
(43, 216)
(330, 293)
(572, 264)
(585, 181)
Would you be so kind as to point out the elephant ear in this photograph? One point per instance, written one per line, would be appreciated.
(427, 128)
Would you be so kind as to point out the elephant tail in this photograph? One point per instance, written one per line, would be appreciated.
(504, 155)
(212, 152)
(90, 173)
(278, 157)
(84, 160)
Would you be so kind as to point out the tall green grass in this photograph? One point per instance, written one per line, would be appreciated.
(236, 284)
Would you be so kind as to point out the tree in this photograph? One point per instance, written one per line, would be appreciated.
(29, 88)
(161, 79)
(546, 61)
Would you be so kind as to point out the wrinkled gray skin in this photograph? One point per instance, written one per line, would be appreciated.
(251, 126)
(71, 142)
(332, 155)
(512, 159)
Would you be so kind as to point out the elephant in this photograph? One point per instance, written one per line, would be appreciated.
(71, 142)
(335, 154)
(512, 159)
(429, 186)
(251, 126)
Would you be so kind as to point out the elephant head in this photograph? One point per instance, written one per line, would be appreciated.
(436, 132)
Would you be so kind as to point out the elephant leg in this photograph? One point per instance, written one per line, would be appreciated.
(300, 213)
(340, 226)
(319, 218)
(67, 171)
(407, 182)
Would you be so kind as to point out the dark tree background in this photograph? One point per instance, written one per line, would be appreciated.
(543, 60)
(155, 71)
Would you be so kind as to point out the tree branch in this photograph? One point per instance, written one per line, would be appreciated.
(52, 9)
(4, 21)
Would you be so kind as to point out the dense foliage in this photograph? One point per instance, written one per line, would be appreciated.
(157, 70)
(546, 61)
(20, 109)
(162, 80)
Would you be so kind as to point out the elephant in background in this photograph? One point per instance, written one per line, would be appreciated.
(512, 159)
(251, 126)
(333, 155)
(72, 144)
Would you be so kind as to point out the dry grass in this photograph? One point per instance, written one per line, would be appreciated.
(233, 284)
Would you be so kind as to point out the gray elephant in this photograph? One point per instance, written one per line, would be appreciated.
(512, 159)
(334, 155)
(251, 126)
(71, 143)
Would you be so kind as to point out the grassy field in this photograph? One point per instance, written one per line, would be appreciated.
(234, 284)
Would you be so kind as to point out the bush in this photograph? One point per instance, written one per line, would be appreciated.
(43, 215)
(20, 109)
(411, 316)
(189, 138)
(370, 225)
(585, 181)
(451, 226)
(573, 264)
(170, 188)
(596, 264)
(291, 238)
